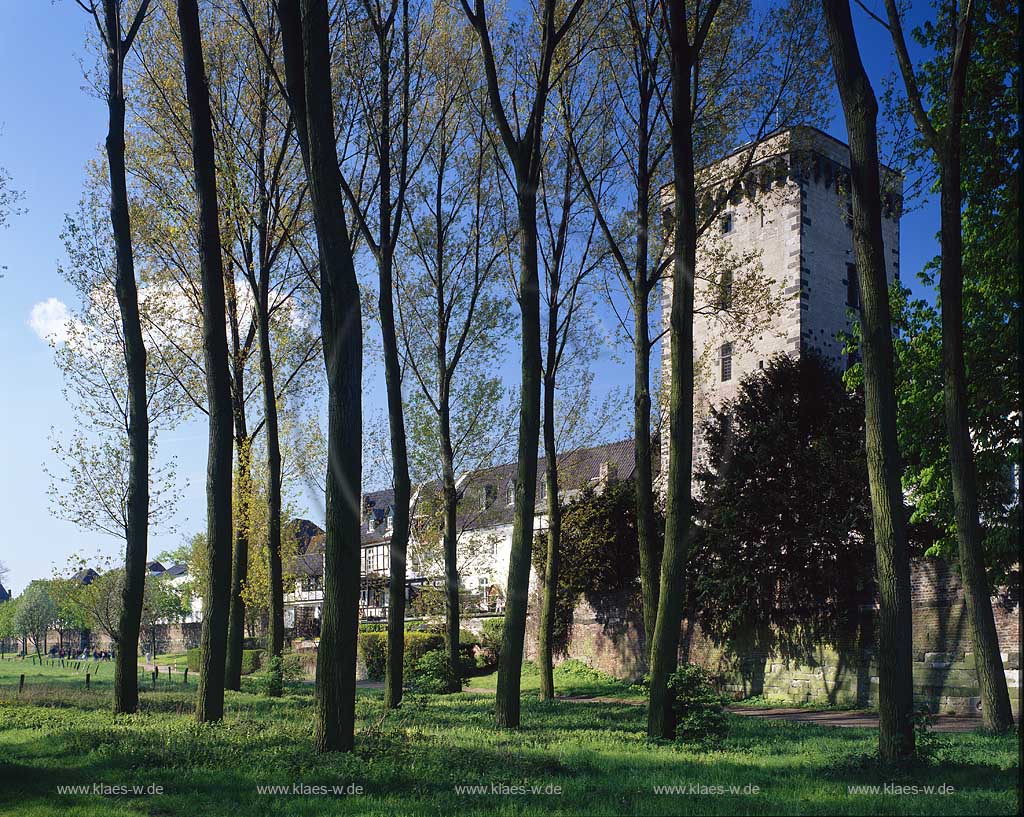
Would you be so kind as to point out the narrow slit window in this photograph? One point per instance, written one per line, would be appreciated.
(725, 290)
(852, 291)
(726, 223)
(726, 361)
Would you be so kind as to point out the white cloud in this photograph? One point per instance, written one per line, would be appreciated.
(49, 320)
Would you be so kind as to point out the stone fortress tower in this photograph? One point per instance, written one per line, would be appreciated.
(792, 209)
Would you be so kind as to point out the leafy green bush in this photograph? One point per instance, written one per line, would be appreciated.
(700, 714)
(251, 661)
(278, 671)
(490, 641)
(432, 674)
(374, 648)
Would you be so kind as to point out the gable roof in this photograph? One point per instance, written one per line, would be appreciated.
(5, 595)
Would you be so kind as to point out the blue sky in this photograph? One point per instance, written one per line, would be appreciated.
(49, 128)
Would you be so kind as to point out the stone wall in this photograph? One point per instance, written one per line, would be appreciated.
(842, 674)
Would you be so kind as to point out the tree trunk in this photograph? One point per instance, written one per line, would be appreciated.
(895, 693)
(240, 565)
(665, 644)
(393, 382)
(304, 26)
(513, 632)
(995, 698)
(643, 475)
(450, 542)
(213, 646)
(126, 688)
(646, 529)
(275, 636)
(549, 601)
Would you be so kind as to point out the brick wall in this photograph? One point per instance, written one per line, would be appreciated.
(842, 674)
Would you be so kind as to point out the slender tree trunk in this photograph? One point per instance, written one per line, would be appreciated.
(275, 636)
(643, 476)
(304, 26)
(665, 644)
(451, 538)
(393, 381)
(549, 600)
(213, 646)
(995, 698)
(239, 570)
(126, 688)
(895, 695)
(240, 564)
(513, 631)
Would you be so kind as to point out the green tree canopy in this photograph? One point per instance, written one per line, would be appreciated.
(783, 544)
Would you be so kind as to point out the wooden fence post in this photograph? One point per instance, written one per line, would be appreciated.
(87, 680)
(21, 683)
(186, 676)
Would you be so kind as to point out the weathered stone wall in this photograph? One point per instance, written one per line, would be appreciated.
(841, 674)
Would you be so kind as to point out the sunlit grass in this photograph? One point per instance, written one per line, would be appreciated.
(411, 761)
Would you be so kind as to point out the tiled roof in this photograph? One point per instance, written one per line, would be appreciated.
(305, 532)
(309, 564)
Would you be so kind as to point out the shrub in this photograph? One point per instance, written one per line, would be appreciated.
(490, 640)
(433, 674)
(251, 661)
(699, 711)
(374, 649)
(278, 671)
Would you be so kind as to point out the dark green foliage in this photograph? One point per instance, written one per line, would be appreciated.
(251, 660)
(490, 641)
(432, 674)
(990, 189)
(782, 550)
(373, 646)
(600, 559)
(699, 709)
(279, 670)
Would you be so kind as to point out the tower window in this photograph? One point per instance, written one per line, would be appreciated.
(726, 223)
(725, 290)
(726, 361)
(852, 292)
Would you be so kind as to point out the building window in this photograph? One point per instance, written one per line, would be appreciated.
(726, 361)
(852, 292)
(510, 493)
(725, 290)
(726, 223)
(490, 494)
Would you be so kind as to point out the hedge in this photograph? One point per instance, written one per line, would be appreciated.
(251, 660)
(374, 649)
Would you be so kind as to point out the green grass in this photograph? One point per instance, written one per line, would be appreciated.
(178, 660)
(409, 763)
(572, 679)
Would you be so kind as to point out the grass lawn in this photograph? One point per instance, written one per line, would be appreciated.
(572, 679)
(178, 660)
(595, 756)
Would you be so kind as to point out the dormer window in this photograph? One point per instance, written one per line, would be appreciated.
(608, 471)
(510, 493)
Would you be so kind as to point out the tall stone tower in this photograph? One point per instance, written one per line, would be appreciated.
(791, 219)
